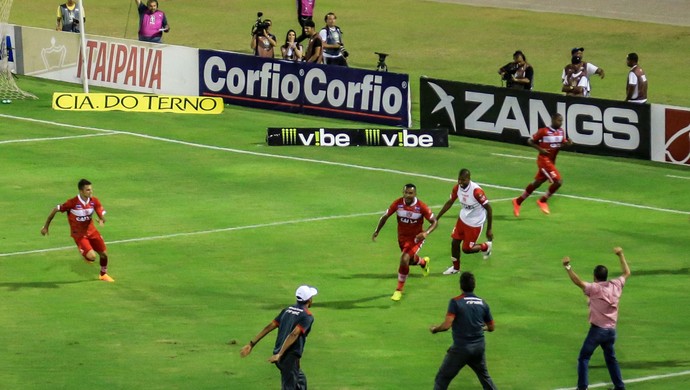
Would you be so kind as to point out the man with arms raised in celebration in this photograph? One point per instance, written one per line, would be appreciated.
(411, 213)
(80, 211)
(548, 141)
(474, 212)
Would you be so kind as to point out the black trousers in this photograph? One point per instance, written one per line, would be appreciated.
(458, 357)
(291, 375)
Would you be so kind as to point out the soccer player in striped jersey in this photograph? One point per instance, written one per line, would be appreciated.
(80, 215)
(411, 213)
(548, 141)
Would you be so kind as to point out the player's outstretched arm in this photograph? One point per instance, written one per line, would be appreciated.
(444, 326)
(247, 349)
(446, 207)
(46, 226)
(573, 276)
(624, 264)
(382, 221)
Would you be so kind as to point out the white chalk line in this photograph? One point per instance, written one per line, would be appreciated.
(679, 177)
(354, 166)
(228, 229)
(512, 156)
(634, 380)
(55, 138)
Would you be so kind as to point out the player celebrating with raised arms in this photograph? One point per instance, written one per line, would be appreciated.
(411, 213)
(548, 141)
(80, 211)
(474, 212)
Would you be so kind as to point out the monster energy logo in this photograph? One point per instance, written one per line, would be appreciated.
(289, 136)
(372, 136)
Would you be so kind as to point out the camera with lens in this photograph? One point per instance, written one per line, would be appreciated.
(260, 26)
(75, 25)
(344, 52)
(508, 71)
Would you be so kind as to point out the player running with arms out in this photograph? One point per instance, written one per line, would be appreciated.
(548, 141)
(80, 211)
(411, 213)
(474, 212)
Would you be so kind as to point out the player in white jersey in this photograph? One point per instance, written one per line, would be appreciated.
(475, 211)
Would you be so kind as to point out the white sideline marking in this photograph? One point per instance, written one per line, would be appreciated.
(512, 156)
(394, 171)
(54, 138)
(679, 177)
(228, 229)
(635, 380)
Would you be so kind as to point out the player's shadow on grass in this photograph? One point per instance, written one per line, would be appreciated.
(342, 305)
(652, 272)
(647, 364)
(16, 286)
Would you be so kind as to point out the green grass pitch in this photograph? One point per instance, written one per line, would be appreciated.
(208, 244)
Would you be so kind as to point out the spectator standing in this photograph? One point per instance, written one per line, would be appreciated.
(68, 17)
(334, 52)
(636, 90)
(469, 316)
(305, 12)
(291, 50)
(152, 21)
(582, 70)
(314, 48)
(293, 324)
(518, 74)
(604, 297)
(263, 41)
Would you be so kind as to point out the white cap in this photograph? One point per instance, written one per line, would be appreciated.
(304, 293)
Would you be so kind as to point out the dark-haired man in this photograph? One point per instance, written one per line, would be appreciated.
(636, 89)
(411, 213)
(475, 211)
(152, 21)
(293, 324)
(314, 51)
(548, 141)
(332, 38)
(81, 210)
(582, 70)
(604, 297)
(469, 316)
(517, 74)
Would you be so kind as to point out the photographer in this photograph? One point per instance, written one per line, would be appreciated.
(152, 21)
(68, 17)
(291, 50)
(263, 41)
(517, 74)
(334, 52)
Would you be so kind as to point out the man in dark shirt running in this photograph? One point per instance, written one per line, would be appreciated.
(294, 324)
(469, 317)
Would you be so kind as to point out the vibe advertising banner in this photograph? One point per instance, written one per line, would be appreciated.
(671, 136)
(330, 91)
(596, 126)
(423, 138)
(136, 103)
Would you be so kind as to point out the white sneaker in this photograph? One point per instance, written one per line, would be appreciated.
(487, 252)
(450, 271)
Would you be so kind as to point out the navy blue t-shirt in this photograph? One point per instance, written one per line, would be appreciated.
(297, 315)
(471, 313)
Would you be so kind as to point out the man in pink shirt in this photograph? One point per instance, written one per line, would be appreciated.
(603, 315)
